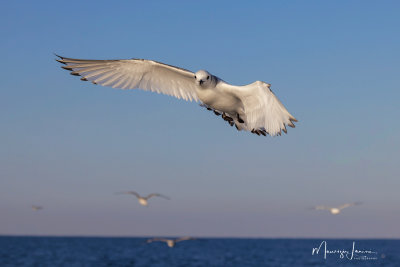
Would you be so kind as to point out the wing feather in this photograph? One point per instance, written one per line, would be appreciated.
(157, 239)
(322, 208)
(262, 109)
(130, 193)
(142, 74)
(184, 238)
(348, 205)
(156, 195)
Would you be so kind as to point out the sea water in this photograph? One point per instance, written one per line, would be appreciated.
(93, 251)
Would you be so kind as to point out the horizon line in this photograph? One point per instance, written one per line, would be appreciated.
(197, 237)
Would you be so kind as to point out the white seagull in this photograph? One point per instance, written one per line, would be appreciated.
(170, 242)
(336, 210)
(253, 107)
(143, 200)
(36, 208)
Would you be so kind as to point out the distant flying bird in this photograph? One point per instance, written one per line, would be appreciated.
(143, 200)
(336, 210)
(170, 242)
(253, 107)
(36, 208)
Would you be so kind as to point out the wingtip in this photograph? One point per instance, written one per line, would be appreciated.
(65, 68)
(62, 62)
(59, 57)
(291, 124)
(74, 73)
(259, 132)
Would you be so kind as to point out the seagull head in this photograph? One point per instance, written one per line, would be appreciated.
(204, 78)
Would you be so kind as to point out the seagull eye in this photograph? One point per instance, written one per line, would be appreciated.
(208, 77)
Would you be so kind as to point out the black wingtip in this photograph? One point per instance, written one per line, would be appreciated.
(74, 73)
(58, 56)
(240, 119)
(260, 131)
(62, 62)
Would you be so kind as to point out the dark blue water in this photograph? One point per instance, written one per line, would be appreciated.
(79, 251)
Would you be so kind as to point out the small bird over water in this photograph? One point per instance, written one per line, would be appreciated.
(36, 208)
(336, 210)
(253, 107)
(143, 200)
(170, 242)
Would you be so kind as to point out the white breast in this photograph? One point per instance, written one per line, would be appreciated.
(220, 100)
(143, 201)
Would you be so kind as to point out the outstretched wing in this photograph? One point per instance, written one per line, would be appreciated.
(135, 74)
(156, 239)
(349, 205)
(156, 195)
(264, 113)
(322, 208)
(129, 193)
(184, 238)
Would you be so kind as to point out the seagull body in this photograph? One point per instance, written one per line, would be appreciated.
(336, 210)
(252, 107)
(143, 200)
(170, 242)
(37, 208)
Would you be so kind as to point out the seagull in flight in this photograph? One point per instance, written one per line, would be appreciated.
(143, 200)
(336, 210)
(170, 242)
(253, 107)
(37, 208)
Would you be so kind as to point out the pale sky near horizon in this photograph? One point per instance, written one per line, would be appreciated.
(69, 146)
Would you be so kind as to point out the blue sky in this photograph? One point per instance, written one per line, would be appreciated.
(69, 145)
